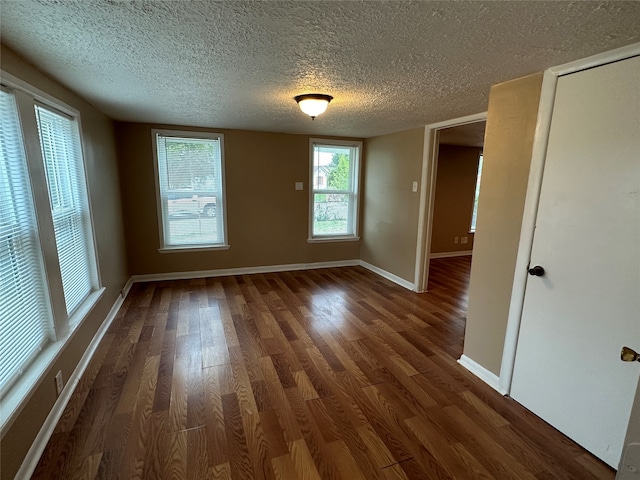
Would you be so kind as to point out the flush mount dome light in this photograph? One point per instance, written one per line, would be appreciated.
(313, 104)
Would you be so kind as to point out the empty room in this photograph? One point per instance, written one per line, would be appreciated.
(319, 240)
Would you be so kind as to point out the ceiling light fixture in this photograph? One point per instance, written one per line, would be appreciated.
(313, 104)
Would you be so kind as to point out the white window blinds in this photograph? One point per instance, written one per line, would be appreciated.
(62, 156)
(25, 321)
(190, 180)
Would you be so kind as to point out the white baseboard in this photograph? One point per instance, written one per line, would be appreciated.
(462, 253)
(127, 287)
(225, 272)
(482, 373)
(388, 275)
(32, 458)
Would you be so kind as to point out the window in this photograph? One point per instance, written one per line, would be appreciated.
(64, 169)
(474, 215)
(335, 173)
(190, 181)
(48, 272)
(25, 321)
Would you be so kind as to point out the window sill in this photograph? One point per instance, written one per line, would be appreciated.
(350, 238)
(12, 403)
(193, 248)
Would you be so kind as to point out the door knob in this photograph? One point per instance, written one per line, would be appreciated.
(536, 271)
(629, 355)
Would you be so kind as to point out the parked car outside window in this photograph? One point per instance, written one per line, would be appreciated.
(190, 204)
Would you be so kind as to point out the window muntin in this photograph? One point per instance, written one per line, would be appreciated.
(190, 180)
(334, 192)
(476, 196)
(64, 168)
(26, 324)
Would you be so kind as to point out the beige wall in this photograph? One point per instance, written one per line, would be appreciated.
(102, 171)
(390, 225)
(511, 122)
(267, 218)
(455, 190)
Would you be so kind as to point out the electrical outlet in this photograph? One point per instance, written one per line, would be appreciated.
(299, 186)
(455, 239)
(59, 382)
(464, 239)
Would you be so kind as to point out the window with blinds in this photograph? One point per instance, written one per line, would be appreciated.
(64, 168)
(26, 323)
(190, 180)
(48, 270)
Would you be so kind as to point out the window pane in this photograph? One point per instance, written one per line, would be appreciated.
(61, 152)
(25, 321)
(331, 214)
(190, 179)
(332, 167)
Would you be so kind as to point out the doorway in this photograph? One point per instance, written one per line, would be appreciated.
(449, 176)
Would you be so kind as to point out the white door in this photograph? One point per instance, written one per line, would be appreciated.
(586, 306)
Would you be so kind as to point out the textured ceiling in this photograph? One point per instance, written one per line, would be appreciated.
(238, 64)
(469, 135)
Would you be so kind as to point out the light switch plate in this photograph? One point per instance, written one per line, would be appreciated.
(414, 187)
(299, 186)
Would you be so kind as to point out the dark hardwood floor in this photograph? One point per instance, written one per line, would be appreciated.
(320, 374)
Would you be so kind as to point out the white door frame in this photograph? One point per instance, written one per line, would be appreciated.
(427, 193)
(538, 156)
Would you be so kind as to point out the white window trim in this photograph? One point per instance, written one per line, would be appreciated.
(189, 248)
(356, 192)
(65, 326)
(476, 191)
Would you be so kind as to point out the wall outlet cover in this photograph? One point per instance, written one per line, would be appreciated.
(59, 382)
(299, 186)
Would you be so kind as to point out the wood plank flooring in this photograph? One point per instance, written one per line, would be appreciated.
(320, 374)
